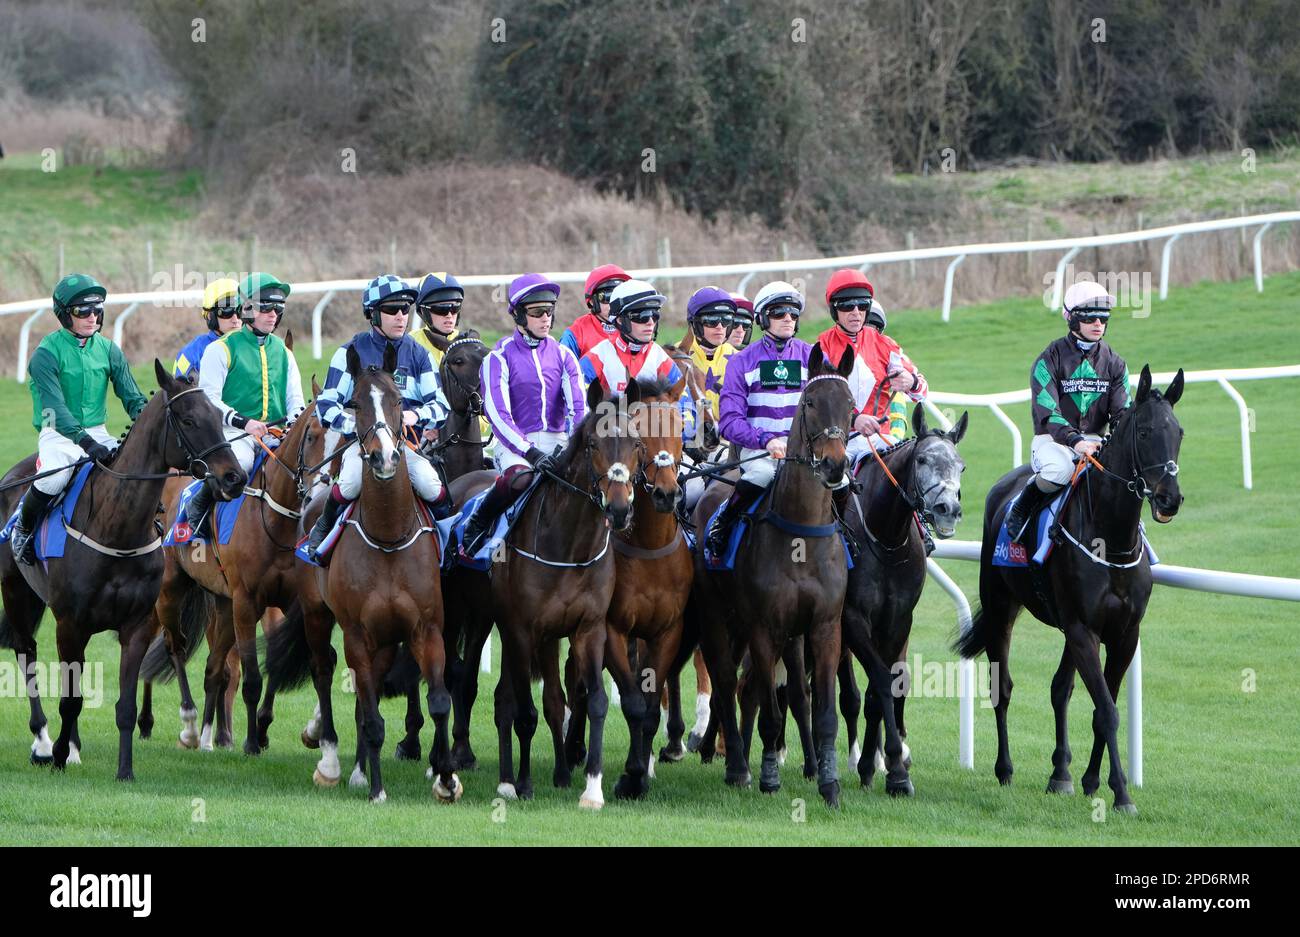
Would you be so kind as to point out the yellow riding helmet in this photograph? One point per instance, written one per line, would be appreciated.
(217, 290)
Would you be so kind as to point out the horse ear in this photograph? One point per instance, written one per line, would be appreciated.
(957, 432)
(315, 387)
(1175, 391)
(816, 360)
(633, 393)
(354, 362)
(468, 333)
(288, 339)
(845, 367)
(166, 383)
(919, 426)
(595, 394)
(676, 391)
(1144, 384)
(390, 357)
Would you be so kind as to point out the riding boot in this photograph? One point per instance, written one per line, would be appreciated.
(198, 507)
(499, 497)
(324, 524)
(35, 503)
(444, 507)
(744, 495)
(1031, 499)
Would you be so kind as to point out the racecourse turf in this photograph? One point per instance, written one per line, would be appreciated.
(1222, 686)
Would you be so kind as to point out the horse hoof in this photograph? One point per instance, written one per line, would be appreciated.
(448, 795)
(130, 776)
(901, 788)
(780, 756)
(42, 760)
(587, 803)
(1005, 779)
(1059, 786)
(308, 741)
(463, 760)
(74, 755)
(831, 794)
(739, 780)
(251, 747)
(866, 779)
(321, 780)
(1130, 808)
(809, 772)
(405, 752)
(672, 753)
(357, 778)
(507, 791)
(146, 734)
(561, 778)
(525, 791)
(629, 788)
(693, 742)
(379, 798)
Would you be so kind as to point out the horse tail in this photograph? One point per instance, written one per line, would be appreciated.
(402, 677)
(196, 608)
(974, 640)
(288, 655)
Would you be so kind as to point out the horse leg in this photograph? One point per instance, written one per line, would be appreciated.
(589, 648)
(722, 672)
(676, 725)
(575, 732)
(553, 710)
(1062, 689)
(660, 653)
(703, 695)
(72, 654)
(516, 644)
(372, 721)
(633, 783)
(998, 615)
(462, 753)
(850, 706)
(246, 643)
(825, 644)
(762, 665)
(871, 758)
(1118, 659)
(428, 649)
(221, 637)
(23, 608)
(504, 717)
(318, 626)
(796, 691)
(189, 735)
(408, 749)
(135, 641)
(233, 674)
(746, 690)
(883, 686)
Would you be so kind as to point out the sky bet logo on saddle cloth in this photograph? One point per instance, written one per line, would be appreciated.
(781, 373)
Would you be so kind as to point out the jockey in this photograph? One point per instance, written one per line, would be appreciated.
(1080, 386)
(631, 353)
(220, 313)
(880, 369)
(742, 324)
(69, 376)
(438, 300)
(710, 313)
(251, 377)
(532, 393)
(760, 396)
(594, 326)
(386, 305)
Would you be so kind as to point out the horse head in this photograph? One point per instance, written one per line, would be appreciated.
(377, 408)
(460, 370)
(657, 420)
(936, 471)
(825, 413)
(1156, 438)
(194, 439)
(613, 451)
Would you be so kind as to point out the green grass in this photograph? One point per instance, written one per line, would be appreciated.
(1220, 764)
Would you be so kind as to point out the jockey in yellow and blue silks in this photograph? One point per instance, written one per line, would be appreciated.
(69, 376)
(386, 304)
(220, 312)
(437, 300)
(631, 352)
(251, 377)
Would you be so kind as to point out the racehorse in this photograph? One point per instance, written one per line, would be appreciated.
(109, 576)
(653, 570)
(917, 480)
(788, 581)
(1094, 599)
(555, 579)
(254, 572)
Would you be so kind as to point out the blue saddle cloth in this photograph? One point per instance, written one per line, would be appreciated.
(227, 512)
(737, 533)
(482, 558)
(1006, 553)
(52, 535)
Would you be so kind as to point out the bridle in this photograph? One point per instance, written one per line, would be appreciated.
(1136, 483)
(473, 397)
(662, 461)
(197, 457)
(812, 460)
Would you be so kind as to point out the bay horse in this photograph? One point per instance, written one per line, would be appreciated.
(381, 585)
(109, 577)
(253, 573)
(788, 582)
(653, 570)
(1093, 599)
(555, 579)
(918, 476)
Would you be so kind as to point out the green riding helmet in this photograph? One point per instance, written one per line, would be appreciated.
(78, 289)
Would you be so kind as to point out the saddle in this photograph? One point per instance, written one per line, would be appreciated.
(754, 516)
(222, 515)
(51, 539)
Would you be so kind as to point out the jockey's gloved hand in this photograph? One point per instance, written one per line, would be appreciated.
(539, 459)
(96, 450)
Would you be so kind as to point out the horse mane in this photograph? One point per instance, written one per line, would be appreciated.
(654, 386)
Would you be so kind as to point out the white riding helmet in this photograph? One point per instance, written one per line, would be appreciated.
(778, 292)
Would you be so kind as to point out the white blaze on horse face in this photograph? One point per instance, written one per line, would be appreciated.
(387, 443)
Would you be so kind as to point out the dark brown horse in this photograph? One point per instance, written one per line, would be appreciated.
(652, 581)
(109, 576)
(254, 572)
(921, 475)
(461, 438)
(1094, 597)
(555, 579)
(788, 582)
